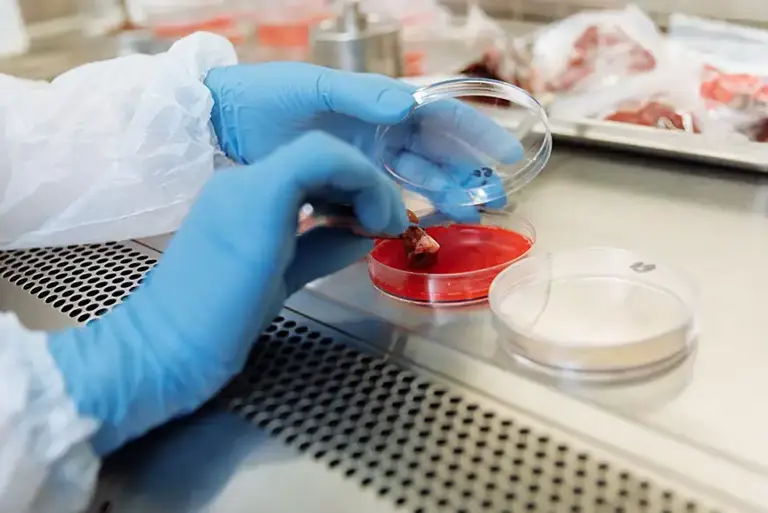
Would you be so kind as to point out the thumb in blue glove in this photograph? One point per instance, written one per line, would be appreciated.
(188, 329)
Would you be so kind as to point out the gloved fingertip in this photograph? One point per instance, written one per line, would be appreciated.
(398, 223)
(373, 211)
(497, 203)
(513, 151)
(394, 105)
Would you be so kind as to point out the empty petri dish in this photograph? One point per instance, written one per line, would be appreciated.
(468, 142)
(470, 257)
(597, 312)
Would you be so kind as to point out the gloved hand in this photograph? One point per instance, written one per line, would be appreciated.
(258, 108)
(188, 329)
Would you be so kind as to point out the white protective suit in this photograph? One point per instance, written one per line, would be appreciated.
(112, 150)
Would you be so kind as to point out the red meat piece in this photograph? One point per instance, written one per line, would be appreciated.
(420, 249)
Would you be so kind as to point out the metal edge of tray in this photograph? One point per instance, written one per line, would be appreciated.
(743, 155)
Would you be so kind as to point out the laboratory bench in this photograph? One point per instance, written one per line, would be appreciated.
(354, 402)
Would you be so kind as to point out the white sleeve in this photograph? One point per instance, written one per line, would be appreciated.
(111, 150)
(46, 463)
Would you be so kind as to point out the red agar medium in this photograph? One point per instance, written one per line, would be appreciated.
(469, 259)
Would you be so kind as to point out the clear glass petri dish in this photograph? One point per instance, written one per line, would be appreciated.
(595, 313)
(468, 142)
(470, 257)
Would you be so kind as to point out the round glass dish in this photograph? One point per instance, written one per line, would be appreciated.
(468, 142)
(598, 313)
(470, 257)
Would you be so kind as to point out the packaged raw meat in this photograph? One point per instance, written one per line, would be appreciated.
(667, 98)
(587, 51)
(734, 69)
(656, 113)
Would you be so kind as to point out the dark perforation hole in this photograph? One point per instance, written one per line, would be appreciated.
(467, 494)
(582, 457)
(59, 303)
(83, 302)
(36, 290)
(366, 482)
(486, 504)
(29, 285)
(667, 495)
(424, 492)
(413, 465)
(531, 506)
(313, 335)
(581, 473)
(601, 483)
(476, 459)
(578, 490)
(14, 278)
(65, 308)
(401, 501)
(118, 294)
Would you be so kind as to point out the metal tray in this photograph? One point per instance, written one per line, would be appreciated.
(742, 155)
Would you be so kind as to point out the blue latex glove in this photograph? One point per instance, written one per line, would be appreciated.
(188, 329)
(258, 108)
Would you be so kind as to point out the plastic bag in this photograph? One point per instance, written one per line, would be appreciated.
(734, 70)
(667, 98)
(587, 51)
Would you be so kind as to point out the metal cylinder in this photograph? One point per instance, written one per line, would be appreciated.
(356, 41)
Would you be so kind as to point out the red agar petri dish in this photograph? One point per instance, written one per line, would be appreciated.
(470, 257)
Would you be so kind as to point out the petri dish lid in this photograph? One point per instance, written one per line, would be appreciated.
(597, 310)
(468, 141)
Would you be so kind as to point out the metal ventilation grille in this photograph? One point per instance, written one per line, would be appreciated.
(421, 445)
(418, 443)
(83, 282)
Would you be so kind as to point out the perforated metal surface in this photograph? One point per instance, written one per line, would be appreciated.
(82, 282)
(422, 445)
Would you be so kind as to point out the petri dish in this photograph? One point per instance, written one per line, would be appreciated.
(470, 257)
(596, 313)
(468, 142)
(466, 148)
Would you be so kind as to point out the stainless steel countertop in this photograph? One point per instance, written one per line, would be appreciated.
(710, 223)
